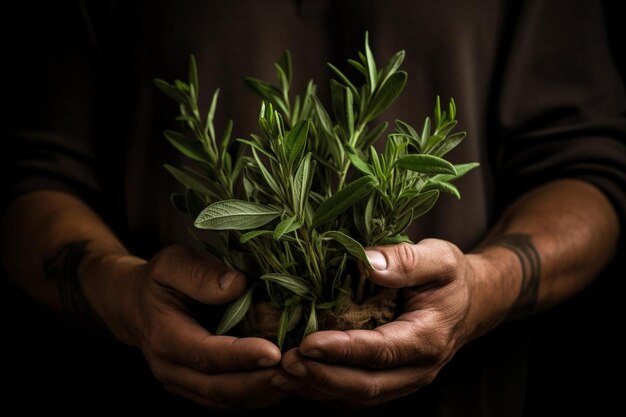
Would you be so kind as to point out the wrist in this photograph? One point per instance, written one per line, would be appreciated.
(110, 282)
(493, 285)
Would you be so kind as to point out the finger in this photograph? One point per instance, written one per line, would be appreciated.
(406, 265)
(227, 391)
(184, 270)
(394, 344)
(357, 385)
(182, 340)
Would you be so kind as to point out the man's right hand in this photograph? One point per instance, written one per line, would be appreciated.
(146, 304)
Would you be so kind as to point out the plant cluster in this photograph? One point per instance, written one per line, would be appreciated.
(294, 205)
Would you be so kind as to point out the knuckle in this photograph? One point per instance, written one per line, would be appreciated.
(386, 356)
(406, 258)
(371, 393)
(449, 260)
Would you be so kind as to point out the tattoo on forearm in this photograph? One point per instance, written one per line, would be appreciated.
(63, 269)
(530, 261)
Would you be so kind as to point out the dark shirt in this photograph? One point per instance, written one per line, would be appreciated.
(535, 84)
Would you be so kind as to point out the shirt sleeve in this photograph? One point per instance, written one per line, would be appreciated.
(51, 89)
(561, 102)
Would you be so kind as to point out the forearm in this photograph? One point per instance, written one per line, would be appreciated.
(548, 246)
(45, 237)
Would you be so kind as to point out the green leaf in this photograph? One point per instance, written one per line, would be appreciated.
(447, 144)
(235, 312)
(425, 164)
(394, 240)
(444, 187)
(322, 115)
(267, 92)
(345, 79)
(235, 215)
(296, 141)
(392, 66)
(287, 226)
(171, 91)
(185, 146)
(423, 203)
(386, 95)
(296, 285)
(288, 320)
(372, 136)
(438, 111)
(302, 182)
(425, 133)
(461, 169)
(254, 234)
(269, 179)
(343, 199)
(358, 162)
(209, 128)
(194, 203)
(311, 324)
(349, 111)
(372, 71)
(193, 73)
(353, 247)
(188, 181)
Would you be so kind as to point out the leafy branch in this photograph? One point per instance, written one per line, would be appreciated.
(296, 206)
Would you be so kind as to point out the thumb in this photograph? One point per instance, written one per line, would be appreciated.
(410, 265)
(210, 282)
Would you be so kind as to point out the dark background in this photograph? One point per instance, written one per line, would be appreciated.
(47, 365)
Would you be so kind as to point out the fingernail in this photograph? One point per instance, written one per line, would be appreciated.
(315, 353)
(265, 362)
(377, 260)
(297, 369)
(278, 380)
(227, 279)
(282, 382)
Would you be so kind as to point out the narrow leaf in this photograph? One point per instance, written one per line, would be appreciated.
(193, 73)
(353, 247)
(254, 234)
(423, 203)
(444, 187)
(185, 146)
(235, 312)
(296, 141)
(296, 285)
(358, 162)
(425, 164)
(461, 169)
(343, 199)
(447, 144)
(287, 226)
(302, 182)
(188, 181)
(386, 95)
(372, 71)
(235, 215)
(311, 324)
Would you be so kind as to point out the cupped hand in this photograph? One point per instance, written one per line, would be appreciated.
(370, 367)
(149, 308)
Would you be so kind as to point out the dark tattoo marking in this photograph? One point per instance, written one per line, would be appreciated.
(530, 261)
(63, 269)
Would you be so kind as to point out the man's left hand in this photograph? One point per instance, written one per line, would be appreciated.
(370, 367)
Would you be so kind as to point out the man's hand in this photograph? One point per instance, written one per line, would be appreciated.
(369, 367)
(149, 308)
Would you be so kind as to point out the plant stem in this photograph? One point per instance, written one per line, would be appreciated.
(360, 289)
